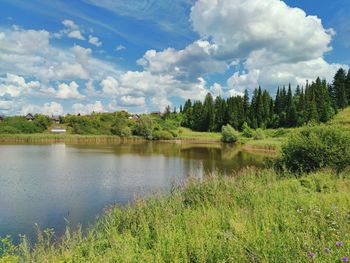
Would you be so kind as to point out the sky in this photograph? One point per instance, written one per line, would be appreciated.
(59, 56)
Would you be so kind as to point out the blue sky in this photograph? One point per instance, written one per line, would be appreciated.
(142, 55)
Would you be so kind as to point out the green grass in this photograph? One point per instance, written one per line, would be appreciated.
(188, 134)
(342, 118)
(250, 217)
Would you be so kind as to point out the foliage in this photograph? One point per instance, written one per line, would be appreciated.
(314, 148)
(144, 127)
(19, 124)
(120, 125)
(259, 134)
(162, 135)
(229, 134)
(8, 130)
(247, 131)
(252, 217)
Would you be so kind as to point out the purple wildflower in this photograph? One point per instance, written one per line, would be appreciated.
(327, 250)
(344, 259)
(339, 244)
(311, 255)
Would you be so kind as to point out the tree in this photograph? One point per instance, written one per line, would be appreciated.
(339, 89)
(145, 127)
(208, 113)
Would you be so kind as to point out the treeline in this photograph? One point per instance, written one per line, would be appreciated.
(317, 102)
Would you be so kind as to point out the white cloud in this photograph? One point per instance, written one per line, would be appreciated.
(120, 47)
(14, 85)
(76, 34)
(87, 108)
(130, 101)
(52, 108)
(72, 30)
(29, 53)
(70, 24)
(277, 44)
(94, 41)
(68, 91)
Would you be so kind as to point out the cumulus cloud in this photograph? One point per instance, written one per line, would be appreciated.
(30, 54)
(50, 108)
(88, 108)
(68, 91)
(71, 30)
(130, 101)
(14, 85)
(276, 43)
(94, 41)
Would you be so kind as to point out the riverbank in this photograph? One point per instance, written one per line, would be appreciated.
(43, 138)
(252, 216)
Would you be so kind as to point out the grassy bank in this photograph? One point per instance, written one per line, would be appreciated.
(250, 217)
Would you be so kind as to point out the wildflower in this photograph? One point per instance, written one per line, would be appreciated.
(311, 255)
(344, 259)
(339, 244)
(327, 250)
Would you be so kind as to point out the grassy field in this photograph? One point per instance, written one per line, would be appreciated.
(250, 217)
(188, 134)
(342, 118)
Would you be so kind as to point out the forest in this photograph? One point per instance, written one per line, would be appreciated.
(317, 102)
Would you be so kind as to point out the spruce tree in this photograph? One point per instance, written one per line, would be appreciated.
(339, 89)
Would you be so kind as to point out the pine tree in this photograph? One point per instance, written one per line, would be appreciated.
(208, 113)
(339, 89)
(347, 86)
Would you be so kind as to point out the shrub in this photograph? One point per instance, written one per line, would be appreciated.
(279, 133)
(259, 134)
(8, 130)
(247, 131)
(145, 127)
(162, 135)
(314, 148)
(229, 134)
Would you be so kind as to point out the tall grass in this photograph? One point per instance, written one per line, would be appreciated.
(250, 217)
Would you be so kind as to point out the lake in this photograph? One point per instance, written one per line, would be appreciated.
(54, 184)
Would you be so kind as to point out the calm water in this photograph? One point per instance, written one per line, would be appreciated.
(49, 184)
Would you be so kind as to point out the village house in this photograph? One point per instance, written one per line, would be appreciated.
(55, 119)
(29, 117)
(134, 117)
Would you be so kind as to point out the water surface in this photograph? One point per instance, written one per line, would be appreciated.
(52, 184)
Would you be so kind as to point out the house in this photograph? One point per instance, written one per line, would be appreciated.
(2, 118)
(156, 113)
(58, 130)
(29, 117)
(134, 117)
(55, 118)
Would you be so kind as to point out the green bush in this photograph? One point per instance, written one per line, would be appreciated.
(314, 148)
(162, 135)
(247, 131)
(259, 134)
(8, 130)
(229, 134)
(145, 127)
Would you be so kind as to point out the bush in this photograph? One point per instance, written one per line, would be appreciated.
(145, 127)
(314, 148)
(8, 130)
(229, 134)
(259, 134)
(162, 135)
(247, 131)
